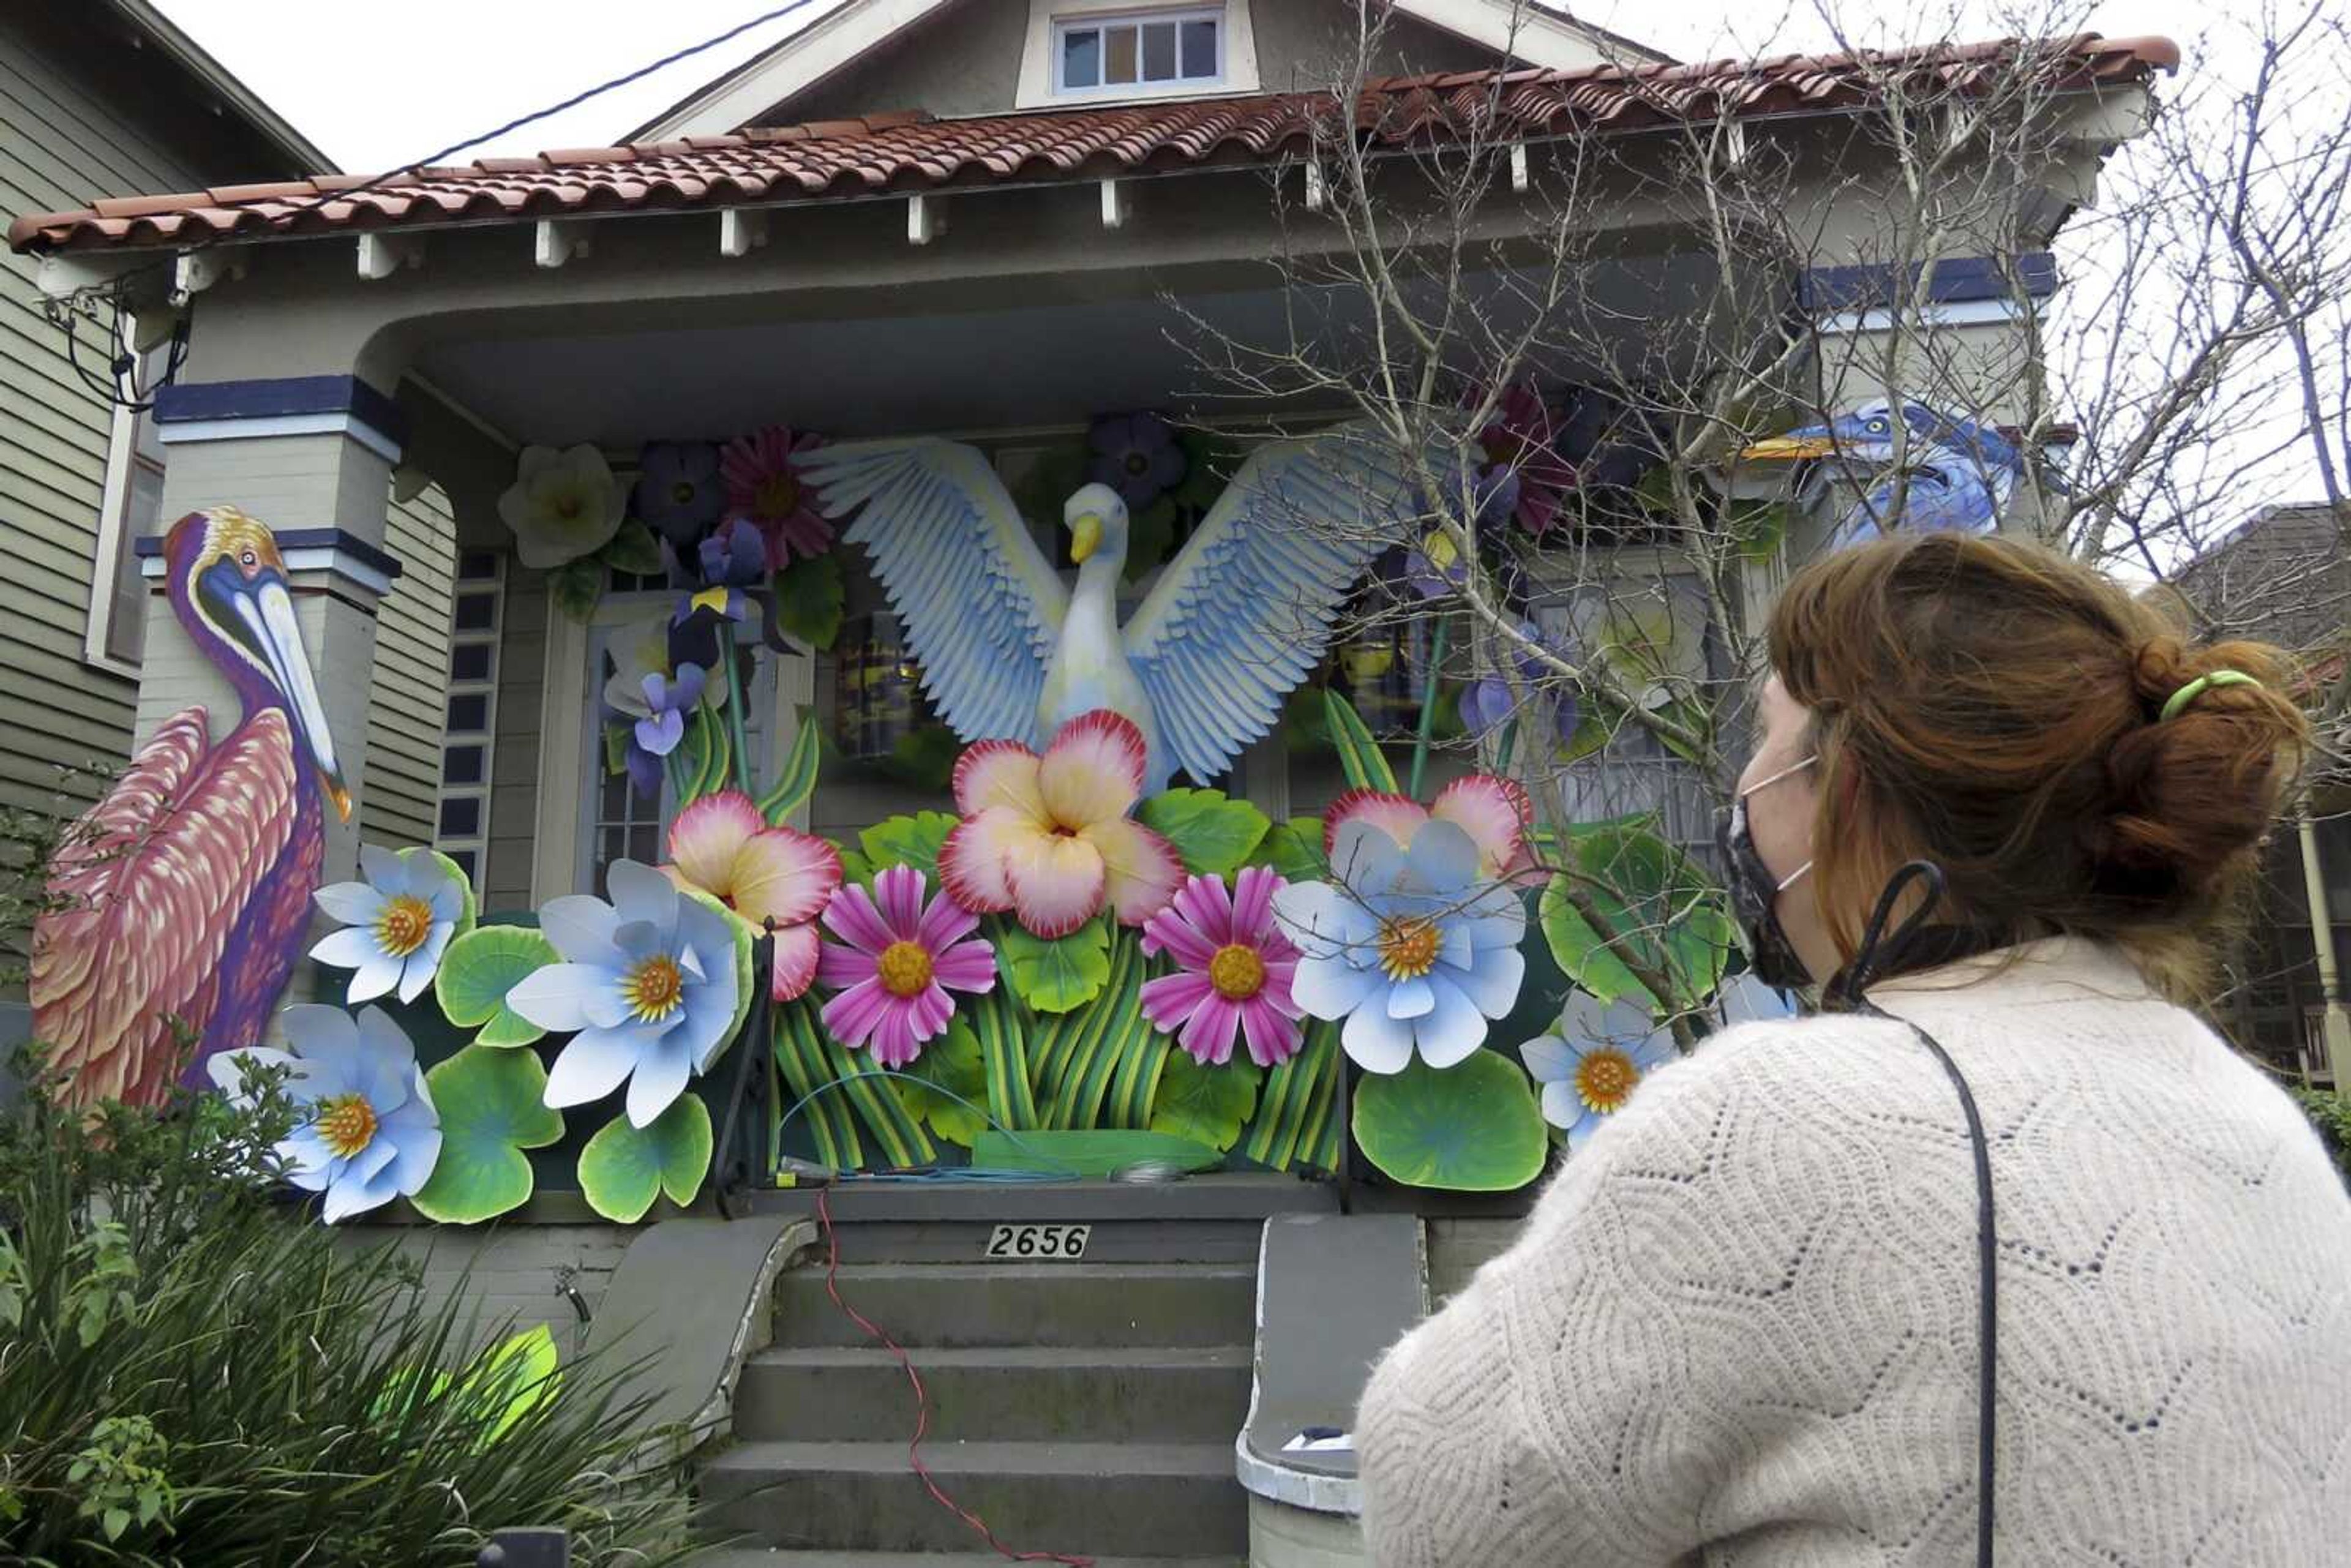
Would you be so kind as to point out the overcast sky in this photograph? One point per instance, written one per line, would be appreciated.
(378, 86)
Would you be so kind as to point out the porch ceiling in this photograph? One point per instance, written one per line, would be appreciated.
(1053, 362)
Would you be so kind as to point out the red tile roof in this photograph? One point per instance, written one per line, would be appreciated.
(913, 152)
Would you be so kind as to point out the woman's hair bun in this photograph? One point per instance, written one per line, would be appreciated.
(2189, 794)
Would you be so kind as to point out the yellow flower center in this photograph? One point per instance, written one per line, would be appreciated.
(1407, 946)
(778, 496)
(567, 506)
(1236, 972)
(346, 1125)
(903, 968)
(403, 924)
(682, 492)
(654, 988)
(1605, 1080)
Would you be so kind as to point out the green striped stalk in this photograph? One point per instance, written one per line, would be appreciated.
(902, 1143)
(1003, 1050)
(804, 1067)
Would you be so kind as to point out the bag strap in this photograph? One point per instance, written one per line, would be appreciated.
(1848, 991)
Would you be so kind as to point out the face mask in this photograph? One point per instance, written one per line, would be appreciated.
(1755, 893)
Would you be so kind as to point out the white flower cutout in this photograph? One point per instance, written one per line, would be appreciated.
(562, 504)
(397, 923)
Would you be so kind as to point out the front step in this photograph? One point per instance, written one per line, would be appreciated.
(1023, 1393)
(1013, 1305)
(1134, 1499)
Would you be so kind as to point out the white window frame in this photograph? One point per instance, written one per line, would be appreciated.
(477, 843)
(1040, 61)
(572, 744)
(114, 542)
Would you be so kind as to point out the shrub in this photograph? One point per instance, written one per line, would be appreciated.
(192, 1371)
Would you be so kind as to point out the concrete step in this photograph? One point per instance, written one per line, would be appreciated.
(1135, 1498)
(776, 1557)
(1028, 1393)
(1040, 1304)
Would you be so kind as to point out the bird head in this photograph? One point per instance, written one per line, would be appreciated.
(229, 582)
(1946, 471)
(1097, 521)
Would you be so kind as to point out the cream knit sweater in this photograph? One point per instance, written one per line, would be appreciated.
(1740, 1326)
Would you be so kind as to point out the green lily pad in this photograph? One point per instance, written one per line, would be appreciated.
(953, 1064)
(624, 1167)
(1206, 1104)
(1661, 910)
(911, 841)
(1214, 835)
(1473, 1127)
(1054, 976)
(809, 597)
(478, 970)
(491, 1110)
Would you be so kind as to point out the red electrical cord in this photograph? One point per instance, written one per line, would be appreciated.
(921, 1405)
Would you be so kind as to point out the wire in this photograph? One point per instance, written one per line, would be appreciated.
(1064, 1171)
(921, 1403)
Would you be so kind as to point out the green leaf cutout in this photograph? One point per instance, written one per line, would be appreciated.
(1359, 758)
(576, 586)
(1206, 1104)
(1214, 835)
(478, 970)
(1661, 910)
(809, 597)
(1473, 1127)
(634, 550)
(623, 1168)
(491, 1110)
(1294, 849)
(911, 841)
(952, 1064)
(1057, 976)
(796, 783)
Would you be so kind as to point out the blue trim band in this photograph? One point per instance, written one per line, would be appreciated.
(180, 405)
(1955, 281)
(148, 546)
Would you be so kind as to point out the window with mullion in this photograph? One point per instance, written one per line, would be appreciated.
(1162, 50)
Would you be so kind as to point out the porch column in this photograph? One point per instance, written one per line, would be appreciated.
(312, 457)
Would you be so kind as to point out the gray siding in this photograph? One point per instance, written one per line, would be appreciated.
(407, 688)
(514, 761)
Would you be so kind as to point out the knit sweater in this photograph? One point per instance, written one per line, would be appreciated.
(1739, 1328)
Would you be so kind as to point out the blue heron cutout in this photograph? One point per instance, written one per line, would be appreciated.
(1938, 472)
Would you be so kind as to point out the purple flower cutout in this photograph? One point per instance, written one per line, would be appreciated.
(679, 492)
(1135, 455)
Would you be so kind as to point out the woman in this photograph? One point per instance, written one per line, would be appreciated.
(1742, 1327)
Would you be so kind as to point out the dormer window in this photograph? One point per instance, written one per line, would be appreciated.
(1139, 51)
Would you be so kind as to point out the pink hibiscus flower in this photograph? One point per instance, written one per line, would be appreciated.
(1237, 967)
(764, 484)
(1049, 837)
(774, 879)
(1493, 811)
(902, 959)
(1523, 439)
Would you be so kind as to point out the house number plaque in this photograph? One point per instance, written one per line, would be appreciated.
(1064, 1243)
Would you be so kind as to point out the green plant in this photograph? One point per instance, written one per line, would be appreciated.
(2330, 1112)
(192, 1372)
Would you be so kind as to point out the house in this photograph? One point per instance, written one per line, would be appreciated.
(111, 98)
(964, 218)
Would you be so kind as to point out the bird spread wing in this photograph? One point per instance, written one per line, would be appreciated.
(982, 605)
(148, 889)
(1242, 614)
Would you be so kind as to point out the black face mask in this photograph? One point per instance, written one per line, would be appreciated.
(1755, 893)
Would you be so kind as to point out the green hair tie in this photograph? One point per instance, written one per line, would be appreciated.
(2197, 687)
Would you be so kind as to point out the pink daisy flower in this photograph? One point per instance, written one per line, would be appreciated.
(1049, 837)
(764, 484)
(1494, 812)
(774, 879)
(903, 958)
(1236, 969)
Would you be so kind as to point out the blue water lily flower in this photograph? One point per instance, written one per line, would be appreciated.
(397, 923)
(371, 1132)
(1591, 1067)
(1413, 945)
(652, 982)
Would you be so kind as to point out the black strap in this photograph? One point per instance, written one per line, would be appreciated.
(1847, 990)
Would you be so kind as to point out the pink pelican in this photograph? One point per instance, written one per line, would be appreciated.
(180, 902)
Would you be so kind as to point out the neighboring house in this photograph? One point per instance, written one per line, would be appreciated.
(2285, 576)
(99, 98)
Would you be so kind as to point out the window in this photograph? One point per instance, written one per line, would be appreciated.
(1151, 50)
(476, 608)
(131, 504)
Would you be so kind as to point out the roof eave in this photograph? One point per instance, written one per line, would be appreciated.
(191, 58)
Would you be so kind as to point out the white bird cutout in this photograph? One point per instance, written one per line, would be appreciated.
(1235, 622)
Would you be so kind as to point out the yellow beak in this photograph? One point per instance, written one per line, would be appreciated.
(1789, 448)
(1085, 536)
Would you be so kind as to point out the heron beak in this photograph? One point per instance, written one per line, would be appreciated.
(266, 612)
(1789, 448)
(1085, 536)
